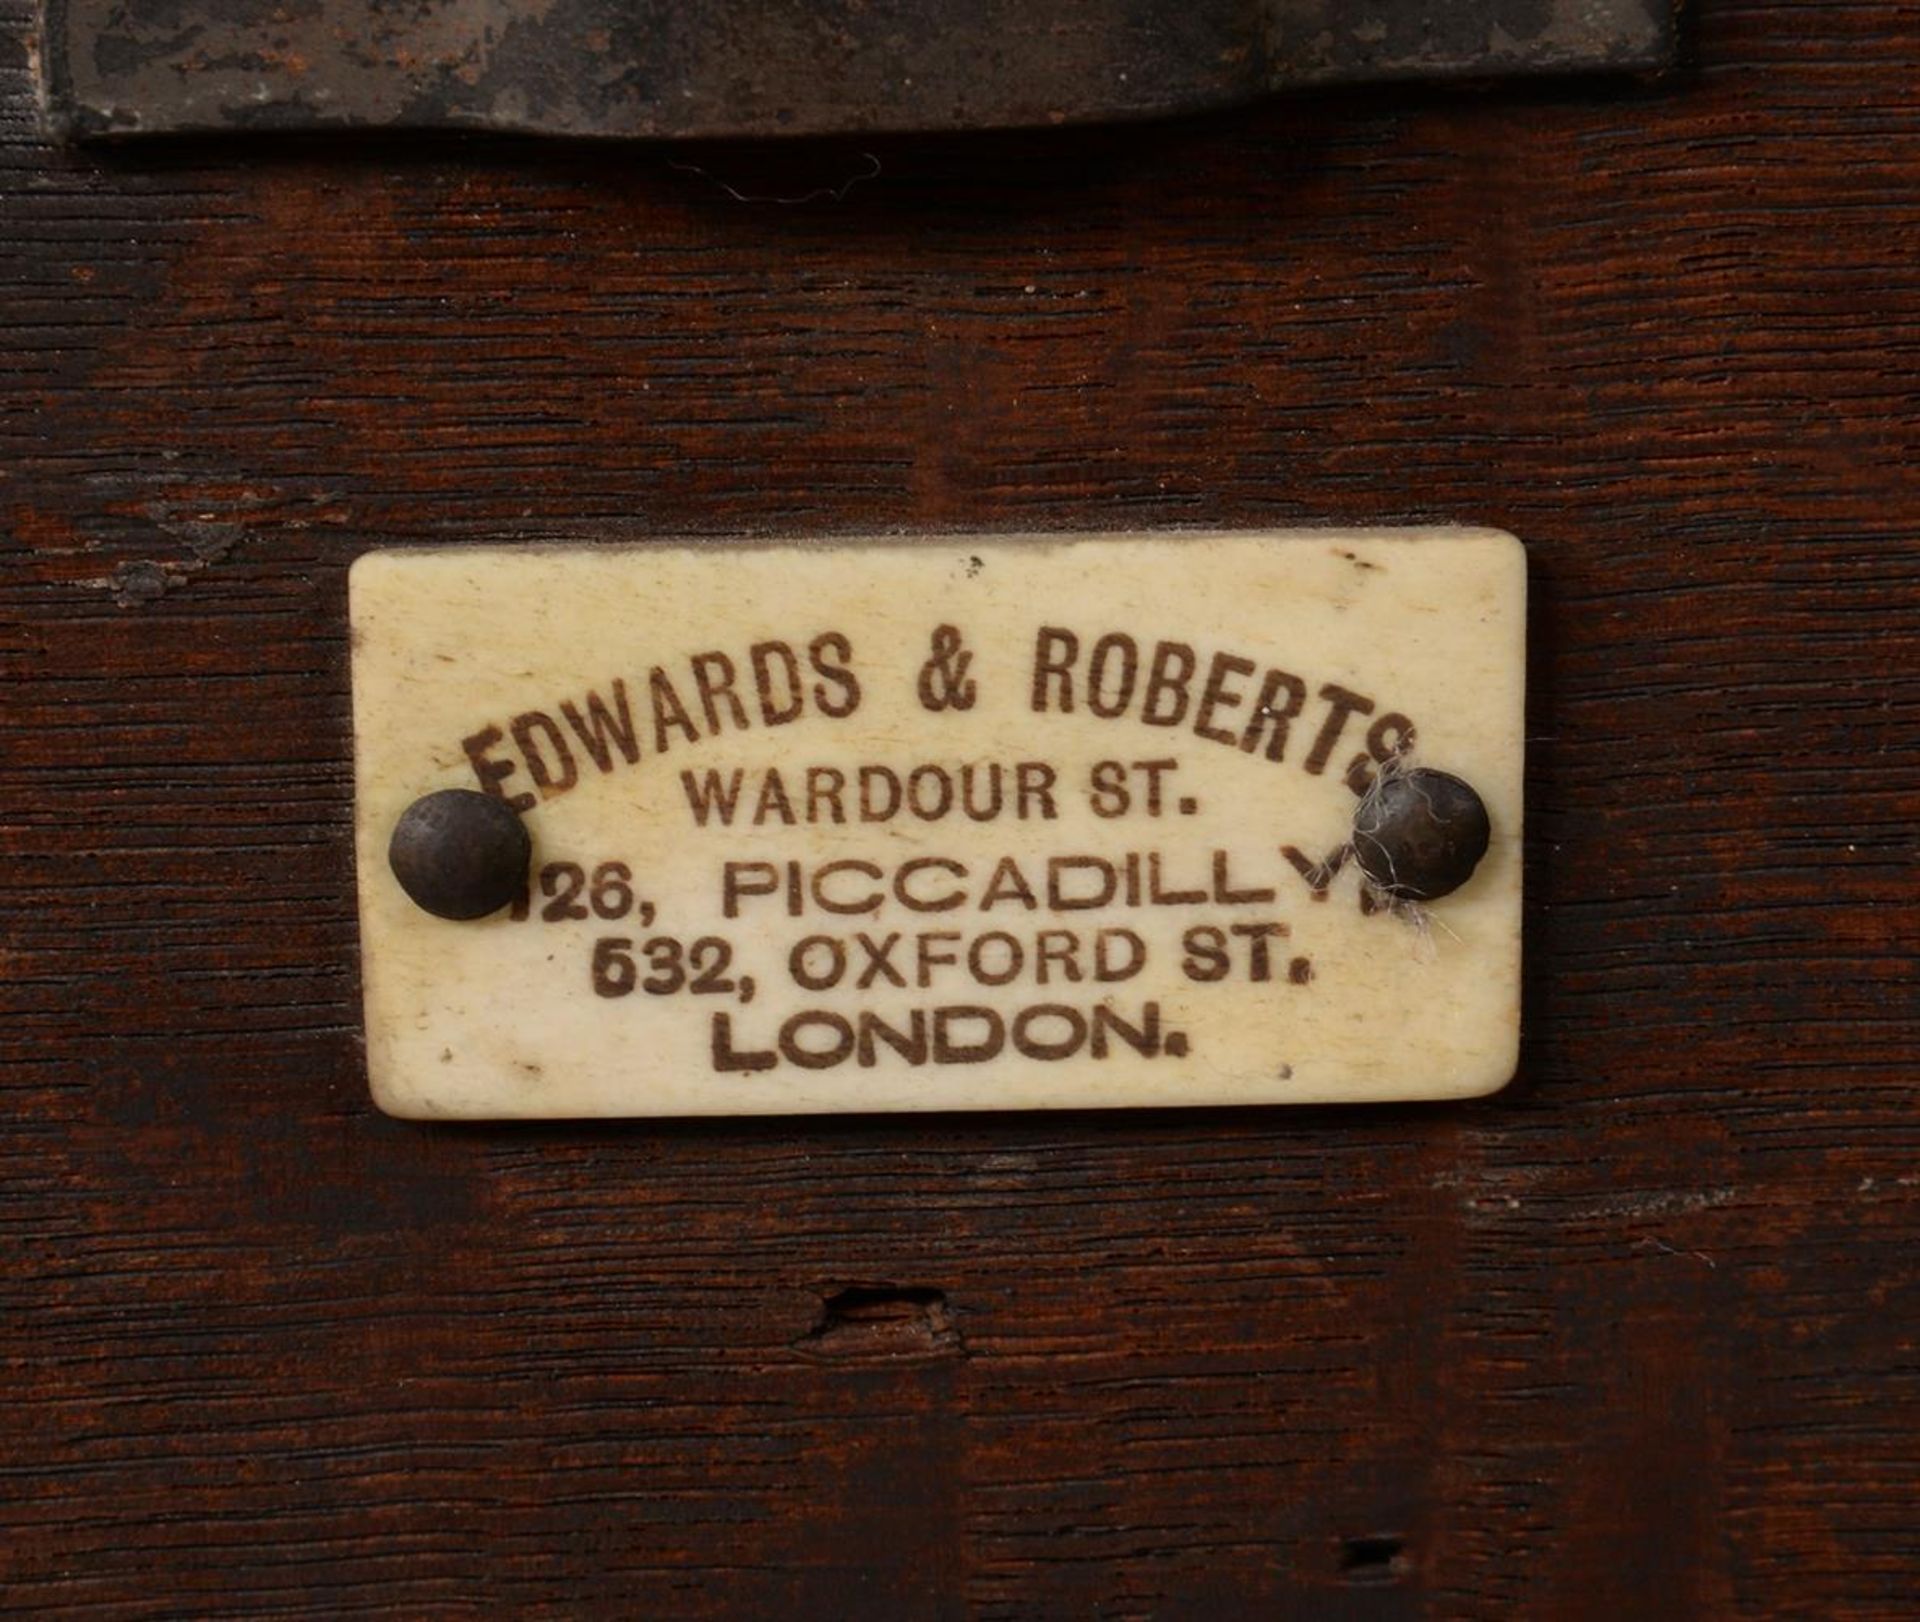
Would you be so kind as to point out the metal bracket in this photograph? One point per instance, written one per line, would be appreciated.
(703, 68)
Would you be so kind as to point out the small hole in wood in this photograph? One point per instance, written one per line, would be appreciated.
(881, 1303)
(1378, 1557)
(883, 1323)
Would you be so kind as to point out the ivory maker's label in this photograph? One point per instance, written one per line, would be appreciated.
(956, 824)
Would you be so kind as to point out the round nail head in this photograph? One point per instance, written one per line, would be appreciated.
(1419, 834)
(459, 853)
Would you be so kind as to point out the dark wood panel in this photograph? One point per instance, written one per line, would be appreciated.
(1637, 1338)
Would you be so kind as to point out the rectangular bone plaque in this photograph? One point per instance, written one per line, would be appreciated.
(956, 823)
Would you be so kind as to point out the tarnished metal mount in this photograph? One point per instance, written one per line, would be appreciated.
(703, 68)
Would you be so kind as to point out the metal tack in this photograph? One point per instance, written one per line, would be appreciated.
(459, 853)
(1419, 834)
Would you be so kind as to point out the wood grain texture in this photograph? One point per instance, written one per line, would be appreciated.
(1637, 1338)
